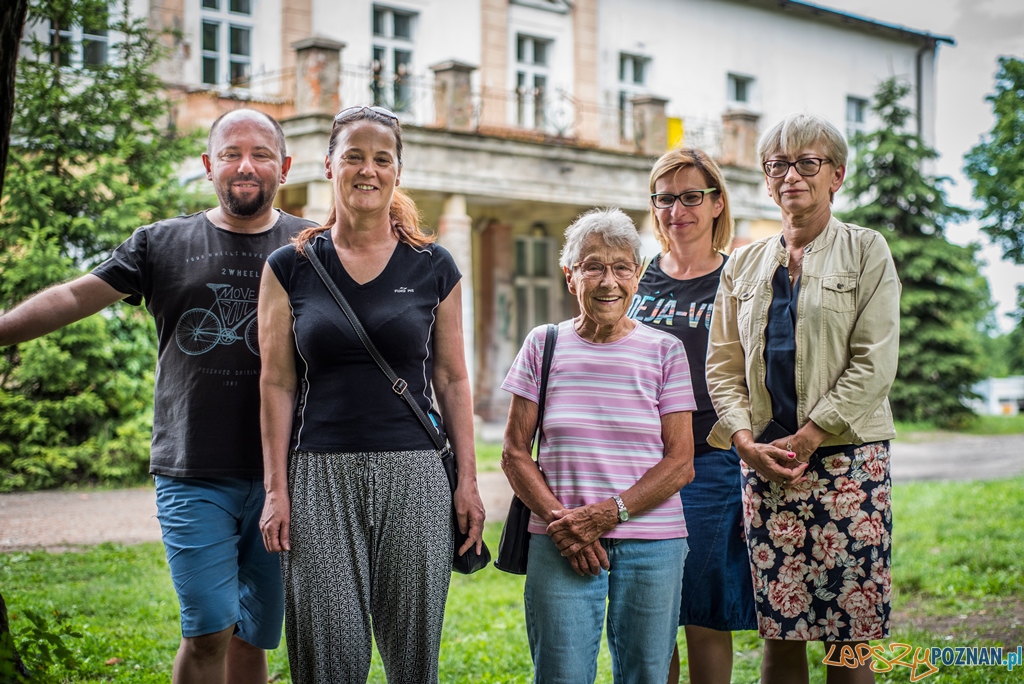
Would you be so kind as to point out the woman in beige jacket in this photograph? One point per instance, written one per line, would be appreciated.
(803, 349)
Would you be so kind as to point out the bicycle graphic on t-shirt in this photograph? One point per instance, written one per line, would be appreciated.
(200, 330)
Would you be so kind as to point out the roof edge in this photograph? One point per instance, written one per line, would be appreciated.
(856, 20)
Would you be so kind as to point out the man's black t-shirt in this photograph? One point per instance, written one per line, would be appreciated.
(347, 403)
(201, 283)
(683, 308)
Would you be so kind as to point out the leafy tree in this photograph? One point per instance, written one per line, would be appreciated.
(944, 299)
(91, 159)
(1015, 339)
(996, 165)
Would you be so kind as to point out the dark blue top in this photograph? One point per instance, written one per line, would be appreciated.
(780, 349)
(683, 308)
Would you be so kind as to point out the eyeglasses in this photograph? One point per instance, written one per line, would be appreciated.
(690, 198)
(349, 111)
(622, 270)
(809, 166)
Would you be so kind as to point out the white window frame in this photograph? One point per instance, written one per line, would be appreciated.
(76, 35)
(741, 91)
(393, 58)
(533, 79)
(526, 286)
(630, 87)
(226, 21)
(857, 109)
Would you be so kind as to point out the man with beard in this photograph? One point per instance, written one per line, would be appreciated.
(199, 277)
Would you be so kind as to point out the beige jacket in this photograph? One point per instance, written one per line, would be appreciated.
(847, 337)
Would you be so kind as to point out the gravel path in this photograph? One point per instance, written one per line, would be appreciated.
(61, 520)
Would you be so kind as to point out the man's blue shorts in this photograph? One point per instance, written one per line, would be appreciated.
(223, 574)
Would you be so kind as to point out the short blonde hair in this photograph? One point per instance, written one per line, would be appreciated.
(687, 157)
(800, 131)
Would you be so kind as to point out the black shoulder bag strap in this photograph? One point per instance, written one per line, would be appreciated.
(545, 369)
(398, 385)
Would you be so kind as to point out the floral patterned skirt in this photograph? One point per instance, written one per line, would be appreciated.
(820, 551)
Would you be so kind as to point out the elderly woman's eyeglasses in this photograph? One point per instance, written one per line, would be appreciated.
(349, 111)
(809, 166)
(690, 198)
(622, 270)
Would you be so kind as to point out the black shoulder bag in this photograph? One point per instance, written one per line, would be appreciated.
(514, 547)
(471, 561)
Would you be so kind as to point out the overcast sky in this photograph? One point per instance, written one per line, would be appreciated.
(983, 30)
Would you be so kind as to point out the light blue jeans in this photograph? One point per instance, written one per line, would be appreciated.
(565, 612)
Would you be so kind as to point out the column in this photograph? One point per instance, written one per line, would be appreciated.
(455, 233)
(496, 348)
(319, 198)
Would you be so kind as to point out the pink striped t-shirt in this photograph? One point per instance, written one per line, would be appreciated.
(602, 419)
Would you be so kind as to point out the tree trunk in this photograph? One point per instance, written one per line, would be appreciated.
(12, 658)
(12, 22)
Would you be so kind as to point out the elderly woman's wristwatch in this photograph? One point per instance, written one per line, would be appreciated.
(623, 512)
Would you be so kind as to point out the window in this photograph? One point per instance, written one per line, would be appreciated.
(741, 90)
(856, 116)
(392, 58)
(532, 56)
(632, 82)
(91, 42)
(226, 41)
(535, 281)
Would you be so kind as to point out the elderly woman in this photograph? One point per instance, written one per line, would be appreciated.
(357, 498)
(690, 208)
(803, 351)
(607, 526)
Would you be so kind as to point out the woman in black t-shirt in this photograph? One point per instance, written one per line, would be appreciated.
(690, 208)
(358, 503)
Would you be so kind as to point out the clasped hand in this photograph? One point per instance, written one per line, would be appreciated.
(577, 534)
(773, 462)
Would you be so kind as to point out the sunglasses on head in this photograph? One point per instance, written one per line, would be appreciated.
(349, 111)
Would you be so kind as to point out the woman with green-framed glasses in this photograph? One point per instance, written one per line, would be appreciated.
(690, 212)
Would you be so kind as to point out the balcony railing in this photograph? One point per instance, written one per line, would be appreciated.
(549, 115)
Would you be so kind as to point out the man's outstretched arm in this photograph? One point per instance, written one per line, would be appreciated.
(56, 307)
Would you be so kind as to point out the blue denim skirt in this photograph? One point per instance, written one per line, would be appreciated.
(718, 588)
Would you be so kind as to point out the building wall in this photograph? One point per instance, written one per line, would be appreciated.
(999, 396)
(798, 63)
(490, 187)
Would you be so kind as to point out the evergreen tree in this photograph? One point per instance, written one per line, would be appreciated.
(944, 299)
(91, 159)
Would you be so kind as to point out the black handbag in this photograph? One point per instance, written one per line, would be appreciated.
(471, 561)
(514, 547)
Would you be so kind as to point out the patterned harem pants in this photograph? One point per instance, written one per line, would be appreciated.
(371, 550)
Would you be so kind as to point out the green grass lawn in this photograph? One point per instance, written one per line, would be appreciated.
(979, 425)
(488, 457)
(958, 576)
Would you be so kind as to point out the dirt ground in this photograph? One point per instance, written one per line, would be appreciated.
(1000, 621)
